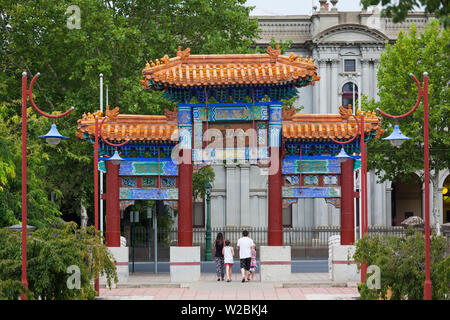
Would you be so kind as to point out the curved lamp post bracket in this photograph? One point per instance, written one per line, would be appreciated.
(29, 92)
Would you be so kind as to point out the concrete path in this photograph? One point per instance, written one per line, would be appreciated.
(304, 286)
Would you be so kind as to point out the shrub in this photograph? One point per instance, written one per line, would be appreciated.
(50, 252)
(402, 265)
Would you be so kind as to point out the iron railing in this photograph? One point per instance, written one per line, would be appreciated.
(312, 237)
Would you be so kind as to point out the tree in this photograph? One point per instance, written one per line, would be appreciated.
(398, 94)
(115, 38)
(398, 10)
(53, 255)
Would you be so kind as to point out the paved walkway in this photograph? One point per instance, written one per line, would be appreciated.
(304, 286)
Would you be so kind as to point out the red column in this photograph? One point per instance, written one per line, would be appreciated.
(347, 209)
(112, 205)
(185, 201)
(275, 223)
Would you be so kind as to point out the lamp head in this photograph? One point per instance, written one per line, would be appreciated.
(53, 137)
(397, 137)
(342, 155)
(115, 159)
(208, 188)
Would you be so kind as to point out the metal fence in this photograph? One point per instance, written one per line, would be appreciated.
(314, 237)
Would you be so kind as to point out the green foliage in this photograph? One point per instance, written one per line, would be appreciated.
(50, 252)
(116, 38)
(402, 266)
(398, 94)
(398, 10)
(11, 290)
(199, 180)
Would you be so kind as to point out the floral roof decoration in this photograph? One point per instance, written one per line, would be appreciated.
(186, 70)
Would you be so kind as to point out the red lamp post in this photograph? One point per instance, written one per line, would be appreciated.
(397, 140)
(52, 139)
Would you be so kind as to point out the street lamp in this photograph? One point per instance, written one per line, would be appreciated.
(208, 255)
(52, 138)
(426, 158)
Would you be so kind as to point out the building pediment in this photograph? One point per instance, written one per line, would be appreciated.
(350, 33)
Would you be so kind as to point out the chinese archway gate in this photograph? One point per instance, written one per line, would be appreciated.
(239, 91)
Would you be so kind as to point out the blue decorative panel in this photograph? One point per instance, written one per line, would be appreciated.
(149, 182)
(148, 168)
(168, 182)
(311, 180)
(357, 165)
(313, 166)
(292, 180)
(330, 180)
(184, 116)
(274, 136)
(129, 182)
(230, 113)
(148, 194)
(311, 192)
(275, 114)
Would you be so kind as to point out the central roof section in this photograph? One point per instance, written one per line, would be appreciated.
(271, 68)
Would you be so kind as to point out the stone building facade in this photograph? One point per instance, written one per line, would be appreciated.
(346, 47)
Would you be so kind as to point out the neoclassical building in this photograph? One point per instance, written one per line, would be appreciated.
(346, 47)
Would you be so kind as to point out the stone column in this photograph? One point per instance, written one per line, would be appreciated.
(334, 107)
(365, 77)
(232, 208)
(323, 86)
(389, 206)
(375, 80)
(245, 194)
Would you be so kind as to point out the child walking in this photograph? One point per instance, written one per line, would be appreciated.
(253, 263)
(228, 254)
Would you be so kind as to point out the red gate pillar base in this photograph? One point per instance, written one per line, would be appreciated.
(343, 267)
(121, 255)
(184, 264)
(275, 263)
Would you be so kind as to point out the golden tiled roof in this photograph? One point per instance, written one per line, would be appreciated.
(187, 70)
(120, 127)
(325, 126)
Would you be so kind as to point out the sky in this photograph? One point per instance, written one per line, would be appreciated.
(301, 7)
(294, 7)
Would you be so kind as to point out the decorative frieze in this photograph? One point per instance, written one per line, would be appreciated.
(148, 194)
(311, 192)
(148, 168)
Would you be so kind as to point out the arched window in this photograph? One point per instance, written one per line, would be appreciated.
(347, 94)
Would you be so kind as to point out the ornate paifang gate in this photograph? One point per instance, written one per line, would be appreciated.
(231, 91)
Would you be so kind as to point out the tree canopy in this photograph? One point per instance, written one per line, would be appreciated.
(398, 10)
(115, 38)
(398, 94)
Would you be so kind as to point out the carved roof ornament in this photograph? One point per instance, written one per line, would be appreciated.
(112, 114)
(288, 112)
(171, 115)
(345, 112)
(184, 55)
(273, 53)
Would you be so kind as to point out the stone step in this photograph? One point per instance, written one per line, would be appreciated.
(144, 285)
(324, 284)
